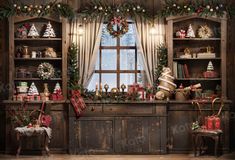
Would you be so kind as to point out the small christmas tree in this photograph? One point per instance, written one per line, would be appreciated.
(162, 62)
(33, 32)
(210, 66)
(49, 32)
(33, 91)
(190, 32)
(57, 88)
(73, 67)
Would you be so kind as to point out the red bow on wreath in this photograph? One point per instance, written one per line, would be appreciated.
(77, 102)
(116, 20)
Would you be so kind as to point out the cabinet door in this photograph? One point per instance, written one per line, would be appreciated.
(138, 135)
(179, 130)
(91, 135)
(59, 125)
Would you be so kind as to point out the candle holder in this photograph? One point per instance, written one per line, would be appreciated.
(123, 87)
(106, 87)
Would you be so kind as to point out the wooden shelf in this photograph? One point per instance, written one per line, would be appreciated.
(185, 59)
(36, 59)
(37, 79)
(197, 39)
(198, 79)
(38, 39)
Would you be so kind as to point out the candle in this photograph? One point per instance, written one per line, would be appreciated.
(96, 90)
(96, 86)
(100, 87)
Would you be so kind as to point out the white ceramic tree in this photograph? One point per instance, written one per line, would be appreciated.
(210, 66)
(190, 32)
(33, 91)
(49, 32)
(33, 32)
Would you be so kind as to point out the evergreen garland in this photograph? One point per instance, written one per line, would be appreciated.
(20, 9)
(202, 8)
(73, 69)
(162, 62)
(98, 8)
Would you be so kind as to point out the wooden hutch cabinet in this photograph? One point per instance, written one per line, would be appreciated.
(181, 114)
(37, 44)
(29, 64)
(198, 58)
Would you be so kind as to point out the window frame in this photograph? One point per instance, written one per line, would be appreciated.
(118, 72)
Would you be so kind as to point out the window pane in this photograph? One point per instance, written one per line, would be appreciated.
(106, 38)
(109, 59)
(94, 80)
(139, 61)
(127, 59)
(97, 61)
(129, 39)
(140, 78)
(127, 78)
(110, 79)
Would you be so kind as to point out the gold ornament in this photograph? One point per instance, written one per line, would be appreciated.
(114, 90)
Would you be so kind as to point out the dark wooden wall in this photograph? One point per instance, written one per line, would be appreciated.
(154, 6)
(231, 73)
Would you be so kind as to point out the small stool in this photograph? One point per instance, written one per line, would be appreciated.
(28, 132)
(199, 135)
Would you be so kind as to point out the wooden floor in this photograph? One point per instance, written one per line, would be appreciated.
(119, 157)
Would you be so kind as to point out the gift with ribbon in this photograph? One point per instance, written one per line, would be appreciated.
(212, 122)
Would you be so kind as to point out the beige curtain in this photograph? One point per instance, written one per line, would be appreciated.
(88, 44)
(147, 44)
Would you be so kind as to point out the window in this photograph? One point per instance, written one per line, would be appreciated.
(118, 61)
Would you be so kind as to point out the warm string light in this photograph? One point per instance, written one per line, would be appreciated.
(80, 30)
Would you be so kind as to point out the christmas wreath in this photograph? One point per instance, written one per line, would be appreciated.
(205, 32)
(45, 71)
(117, 26)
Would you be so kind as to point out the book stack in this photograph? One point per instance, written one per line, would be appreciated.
(181, 70)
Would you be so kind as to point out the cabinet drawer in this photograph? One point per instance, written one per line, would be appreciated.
(93, 109)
